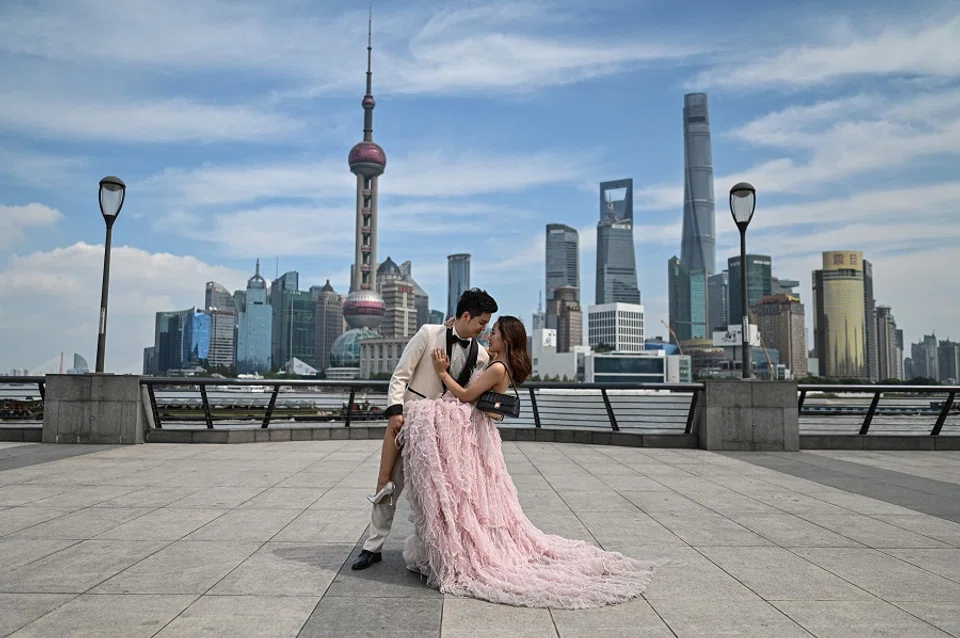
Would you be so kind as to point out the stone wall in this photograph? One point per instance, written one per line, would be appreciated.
(749, 415)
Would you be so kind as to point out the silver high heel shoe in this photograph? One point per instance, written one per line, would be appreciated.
(386, 491)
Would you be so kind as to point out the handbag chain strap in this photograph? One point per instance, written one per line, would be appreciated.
(510, 376)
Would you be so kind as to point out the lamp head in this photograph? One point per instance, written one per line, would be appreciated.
(112, 193)
(743, 202)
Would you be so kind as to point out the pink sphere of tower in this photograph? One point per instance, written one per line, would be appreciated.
(367, 159)
(364, 309)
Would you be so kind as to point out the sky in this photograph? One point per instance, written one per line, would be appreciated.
(230, 122)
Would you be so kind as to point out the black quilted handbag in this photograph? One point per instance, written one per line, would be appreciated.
(502, 404)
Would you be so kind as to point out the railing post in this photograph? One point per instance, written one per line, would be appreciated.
(803, 396)
(869, 418)
(270, 406)
(692, 412)
(353, 394)
(942, 418)
(536, 411)
(610, 414)
(206, 407)
(43, 390)
(153, 407)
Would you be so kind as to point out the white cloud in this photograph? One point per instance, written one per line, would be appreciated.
(15, 220)
(928, 49)
(827, 143)
(144, 120)
(53, 298)
(500, 46)
(414, 174)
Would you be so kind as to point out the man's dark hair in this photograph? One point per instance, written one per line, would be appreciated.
(475, 302)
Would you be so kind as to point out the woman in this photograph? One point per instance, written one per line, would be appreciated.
(472, 537)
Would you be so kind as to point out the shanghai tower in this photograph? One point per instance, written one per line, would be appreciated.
(699, 240)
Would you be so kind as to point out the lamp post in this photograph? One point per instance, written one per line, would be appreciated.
(743, 201)
(112, 192)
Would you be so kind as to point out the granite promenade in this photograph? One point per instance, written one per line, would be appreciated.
(256, 540)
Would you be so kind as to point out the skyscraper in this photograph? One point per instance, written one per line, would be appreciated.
(363, 308)
(718, 297)
(687, 298)
(400, 318)
(781, 321)
(616, 257)
(327, 321)
(216, 297)
(839, 330)
(421, 301)
(293, 321)
(759, 284)
(565, 306)
(458, 280)
(870, 323)
(255, 327)
(889, 354)
(562, 261)
(562, 257)
(926, 359)
(699, 238)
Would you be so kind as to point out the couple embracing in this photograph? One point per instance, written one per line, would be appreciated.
(471, 537)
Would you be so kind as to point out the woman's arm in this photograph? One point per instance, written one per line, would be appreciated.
(492, 376)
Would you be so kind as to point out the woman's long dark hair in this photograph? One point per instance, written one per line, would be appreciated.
(514, 337)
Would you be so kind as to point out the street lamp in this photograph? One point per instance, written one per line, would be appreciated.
(112, 192)
(743, 201)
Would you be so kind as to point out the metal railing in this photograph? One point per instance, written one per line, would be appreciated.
(880, 409)
(21, 400)
(182, 402)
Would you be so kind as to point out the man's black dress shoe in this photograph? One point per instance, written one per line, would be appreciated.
(366, 559)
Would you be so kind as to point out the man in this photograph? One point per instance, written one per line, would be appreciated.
(416, 378)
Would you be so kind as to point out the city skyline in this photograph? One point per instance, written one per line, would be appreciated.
(501, 145)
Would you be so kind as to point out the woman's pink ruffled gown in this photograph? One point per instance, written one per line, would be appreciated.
(472, 537)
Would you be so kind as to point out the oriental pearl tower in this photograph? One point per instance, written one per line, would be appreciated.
(363, 307)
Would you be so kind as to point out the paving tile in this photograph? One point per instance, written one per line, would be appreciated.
(328, 526)
(632, 619)
(469, 618)
(165, 524)
(943, 615)
(787, 530)
(219, 497)
(663, 502)
(383, 618)
(150, 497)
(606, 501)
(704, 530)
(286, 569)
(17, 552)
(873, 532)
(712, 618)
(793, 579)
(24, 494)
(297, 498)
(387, 579)
(21, 609)
(245, 525)
(883, 576)
(945, 562)
(344, 498)
(82, 524)
(857, 619)
(99, 616)
(85, 496)
(183, 567)
(687, 574)
(939, 529)
(631, 483)
(78, 567)
(248, 616)
(639, 528)
(24, 516)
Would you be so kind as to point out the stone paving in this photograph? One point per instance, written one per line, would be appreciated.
(256, 540)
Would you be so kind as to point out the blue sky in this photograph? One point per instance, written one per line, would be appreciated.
(231, 123)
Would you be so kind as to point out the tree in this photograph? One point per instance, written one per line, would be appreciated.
(602, 347)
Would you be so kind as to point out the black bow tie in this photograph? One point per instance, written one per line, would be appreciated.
(454, 339)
